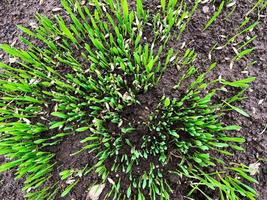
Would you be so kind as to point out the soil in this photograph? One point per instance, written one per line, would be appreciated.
(13, 12)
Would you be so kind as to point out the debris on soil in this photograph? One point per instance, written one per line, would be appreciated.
(205, 9)
(95, 192)
(254, 168)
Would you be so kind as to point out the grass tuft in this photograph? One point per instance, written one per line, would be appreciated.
(87, 72)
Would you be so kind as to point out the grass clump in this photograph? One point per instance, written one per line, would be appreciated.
(81, 79)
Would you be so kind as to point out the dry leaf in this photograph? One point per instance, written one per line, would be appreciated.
(70, 181)
(126, 96)
(83, 2)
(57, 38)
(95, 191)
(205, 1)
(111, 181)
(205, 9)
(254, 168)
(33, 25)
(260, 101)
(231, 64)
(120, 123)
(219, 48)
(235, 50)
(231, 4)
(12, 60)
(13, 43)
(56, 9)
(183, 45)
(26, 120)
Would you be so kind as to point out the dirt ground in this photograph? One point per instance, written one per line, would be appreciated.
(13, 12)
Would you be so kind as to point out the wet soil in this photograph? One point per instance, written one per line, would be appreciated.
(13, 12)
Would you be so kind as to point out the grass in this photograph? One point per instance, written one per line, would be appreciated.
(87, 72)
(215, 15)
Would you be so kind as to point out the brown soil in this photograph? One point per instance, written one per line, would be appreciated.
(13, 12)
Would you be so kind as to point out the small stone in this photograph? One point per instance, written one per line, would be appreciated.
(205, 9)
